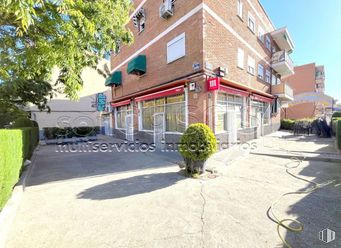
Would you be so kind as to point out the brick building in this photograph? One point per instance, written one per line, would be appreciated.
(308, 84)
(215, 62)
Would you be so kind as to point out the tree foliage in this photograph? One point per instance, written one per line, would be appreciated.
(37, 36)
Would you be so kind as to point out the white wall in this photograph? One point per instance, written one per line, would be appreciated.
(77, 112)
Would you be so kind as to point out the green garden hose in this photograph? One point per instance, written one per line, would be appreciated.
(281, 222)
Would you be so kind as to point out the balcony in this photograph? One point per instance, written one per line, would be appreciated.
(283, 40)
(283, 91)
(282, 63)
(320, 87)
(320, 72)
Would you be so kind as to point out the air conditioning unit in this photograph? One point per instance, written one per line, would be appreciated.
(166, 9)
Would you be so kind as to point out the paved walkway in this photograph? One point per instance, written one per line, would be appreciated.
(127, 199)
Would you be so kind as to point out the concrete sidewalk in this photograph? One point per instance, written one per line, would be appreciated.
(122, 199)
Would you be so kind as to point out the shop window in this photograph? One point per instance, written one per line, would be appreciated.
(120, 116)
(260, 112)
(172, 106)
(176, 48)
(227, 103)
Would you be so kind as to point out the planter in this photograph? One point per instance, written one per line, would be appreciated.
(195, 166)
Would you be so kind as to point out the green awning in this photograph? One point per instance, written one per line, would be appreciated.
(114, 79)
(138, 65)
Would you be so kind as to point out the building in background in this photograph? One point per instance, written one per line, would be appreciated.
(214, 62)
(89, 110)
(308, 84)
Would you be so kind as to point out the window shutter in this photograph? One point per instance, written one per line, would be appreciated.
(176, 48)
(240, 58)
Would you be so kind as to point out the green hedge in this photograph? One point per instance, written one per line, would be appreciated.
(336, 114)
(55, 132)
(287, 124)
(22, 122)
(16, 146)
(11, 160)
(333, 124)
(338, 134)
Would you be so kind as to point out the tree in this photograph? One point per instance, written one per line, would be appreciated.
(9, 112)
(37, 36)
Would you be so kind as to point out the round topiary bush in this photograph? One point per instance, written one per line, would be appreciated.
(198, 143)
(22, 122)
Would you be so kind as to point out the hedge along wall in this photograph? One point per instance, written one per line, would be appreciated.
(16, 145)
(11, 160)
(338, 134)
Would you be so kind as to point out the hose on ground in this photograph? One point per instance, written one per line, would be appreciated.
(285, 223)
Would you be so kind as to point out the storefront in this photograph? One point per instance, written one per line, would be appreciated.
(154, 117)
(162, 116)
(241, 114)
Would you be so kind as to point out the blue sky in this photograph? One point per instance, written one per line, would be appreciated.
(315, 27)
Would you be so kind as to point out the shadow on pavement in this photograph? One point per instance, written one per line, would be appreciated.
(52, 166)
(131, 186)
(321, 208)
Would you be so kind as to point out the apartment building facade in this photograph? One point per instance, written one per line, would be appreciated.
(308, 84)
(214, 62)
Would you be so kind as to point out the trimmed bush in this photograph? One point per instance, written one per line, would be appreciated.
(333, 124)
(16, 146)
(338, 134)
(22, 122)
(287, 124)
(11, 161)
(55, 132)
(336, 115)
(198, 143)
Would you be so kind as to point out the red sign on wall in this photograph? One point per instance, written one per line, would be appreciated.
(213, 84)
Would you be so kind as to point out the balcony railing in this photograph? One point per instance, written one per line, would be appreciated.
(282, 63)
(283, 91)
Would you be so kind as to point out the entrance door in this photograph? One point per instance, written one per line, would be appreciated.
(106, 124)
(259, 124)
(129, 127)
(159, 130)
(231, 121)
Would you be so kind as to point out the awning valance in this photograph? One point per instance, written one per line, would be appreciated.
(122, 103)
(163, 93)
(137, 65)
(114, 79)
(234, 91)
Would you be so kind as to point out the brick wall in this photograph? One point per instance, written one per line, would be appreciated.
(221, 46)
(158, 71)
(303, 81)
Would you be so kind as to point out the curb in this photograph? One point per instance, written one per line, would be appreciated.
(8, 213)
